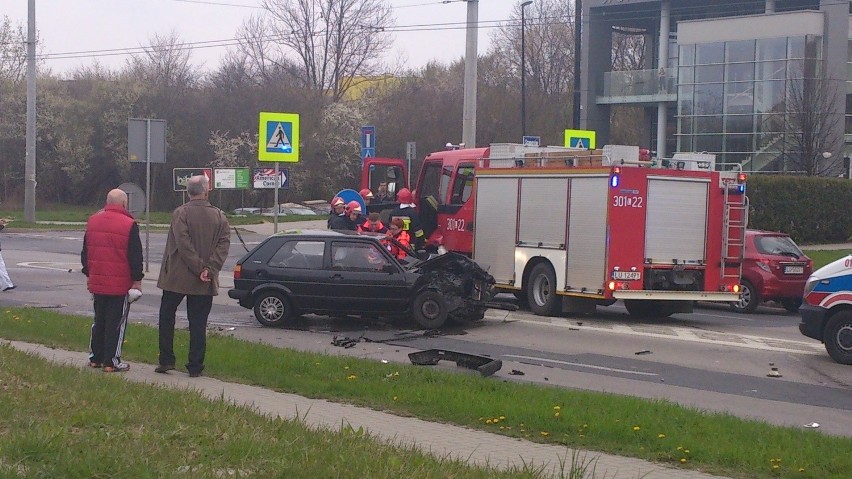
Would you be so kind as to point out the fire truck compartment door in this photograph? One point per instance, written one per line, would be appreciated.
(495, 224)
(676, 227)
(587, 234)
(544, 212)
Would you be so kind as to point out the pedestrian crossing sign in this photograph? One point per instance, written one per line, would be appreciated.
(278, 137)
(580, 139)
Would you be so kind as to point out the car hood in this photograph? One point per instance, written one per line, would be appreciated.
(453, 263)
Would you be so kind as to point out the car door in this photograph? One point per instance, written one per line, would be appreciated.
(366, 278)
(298, 266)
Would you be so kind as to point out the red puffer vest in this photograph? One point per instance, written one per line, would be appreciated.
(107, 236)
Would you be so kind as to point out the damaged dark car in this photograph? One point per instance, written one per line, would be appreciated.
(346, 273)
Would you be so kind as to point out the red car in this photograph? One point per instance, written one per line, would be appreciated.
(774, 269)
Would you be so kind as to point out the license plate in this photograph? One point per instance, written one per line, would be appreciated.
(627, 275)
(794, 269)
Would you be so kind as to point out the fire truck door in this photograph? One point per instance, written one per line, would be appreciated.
(676, 221)
(587, 220)
(495, 226)
(544, 212)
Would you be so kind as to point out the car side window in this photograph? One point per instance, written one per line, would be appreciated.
(357, 257)
(299, 255)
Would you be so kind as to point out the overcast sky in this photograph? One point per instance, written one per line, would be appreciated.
(425, 29)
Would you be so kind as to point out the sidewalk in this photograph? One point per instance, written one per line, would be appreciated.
(442, 440)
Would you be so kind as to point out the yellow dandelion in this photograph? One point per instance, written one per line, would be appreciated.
(636, 428)
(351, 376)
(316, 364)
(556, 414)
(679, 448)
(582, 436)
(394, 398)
(585, 426)
(801, 469)
(509, 427)
(682, 460)
(775, 466)
(557, 407)
(661, 435)
(482, 419)
(545, 433)
(502, 417)
(686, 451)
(502, 427)
(489, 421)
(345, 367)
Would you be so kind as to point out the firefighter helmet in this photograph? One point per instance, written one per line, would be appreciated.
(353, 207)
(404, 196)
(337, 201)
(366, 194)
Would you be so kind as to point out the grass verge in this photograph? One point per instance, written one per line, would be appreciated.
(61, 421)
(653, 430)
(823, 257)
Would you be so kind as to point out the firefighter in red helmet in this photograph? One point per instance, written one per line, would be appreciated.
(410, 218)
(337, 207)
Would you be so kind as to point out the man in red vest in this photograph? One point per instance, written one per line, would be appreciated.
(112, 262)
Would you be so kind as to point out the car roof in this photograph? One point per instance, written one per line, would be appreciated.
(751, 232)
(320, 233)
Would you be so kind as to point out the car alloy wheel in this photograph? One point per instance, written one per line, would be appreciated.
(271, 308)
(749, 298)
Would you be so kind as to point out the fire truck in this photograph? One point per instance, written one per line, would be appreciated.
(567, 230)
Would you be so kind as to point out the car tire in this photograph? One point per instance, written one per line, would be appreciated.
(541, 291)
(645, 308)
(749, 298)
(429, 309)
(792, 304)
(272, 309)
(838, 337)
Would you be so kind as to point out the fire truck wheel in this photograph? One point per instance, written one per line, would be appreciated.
(429, 309)
(749, 298)
(645, 308)
(838, 337)
(541, 291)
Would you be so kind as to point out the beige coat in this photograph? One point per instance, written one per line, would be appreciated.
(199, 238)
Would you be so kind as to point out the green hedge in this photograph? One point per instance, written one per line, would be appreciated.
(812, 210)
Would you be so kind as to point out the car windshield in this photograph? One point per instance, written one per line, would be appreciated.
(778, 245)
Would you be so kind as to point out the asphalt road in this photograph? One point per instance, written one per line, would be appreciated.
(712, 359)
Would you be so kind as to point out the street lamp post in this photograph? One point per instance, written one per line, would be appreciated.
(523, 70)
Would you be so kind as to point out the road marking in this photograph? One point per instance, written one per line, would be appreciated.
(44, 265)
(694, 336)
(590, 366)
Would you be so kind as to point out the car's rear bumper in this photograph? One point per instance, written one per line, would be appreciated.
(813, 320)
(242, 296)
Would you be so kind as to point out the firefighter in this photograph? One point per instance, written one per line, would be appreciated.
(337, 207)
(406, 211)
(367, 196)
(349, 220)
(396, 231)
(373, 224)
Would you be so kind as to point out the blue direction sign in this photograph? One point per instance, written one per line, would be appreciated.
(368, 142)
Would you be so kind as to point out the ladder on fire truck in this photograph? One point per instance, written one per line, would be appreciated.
(734, 226)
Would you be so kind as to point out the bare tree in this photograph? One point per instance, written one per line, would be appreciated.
(549, 45)
(13, 51)
(334, 40)
(809, 133)
(165, 63)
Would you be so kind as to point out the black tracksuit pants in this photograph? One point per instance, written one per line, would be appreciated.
(197, 309)
(108, 329)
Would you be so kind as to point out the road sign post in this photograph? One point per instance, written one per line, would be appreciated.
(146, 141)
(410, 155)
(368, 142)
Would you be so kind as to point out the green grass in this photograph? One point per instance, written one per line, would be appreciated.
(823, 257)
(61, 421)
(653, 430)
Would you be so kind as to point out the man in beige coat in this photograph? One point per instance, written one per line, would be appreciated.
(196, 248)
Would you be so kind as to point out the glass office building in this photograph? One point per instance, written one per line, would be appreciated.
(739, 78)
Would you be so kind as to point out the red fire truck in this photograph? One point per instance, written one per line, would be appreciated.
(567, 229)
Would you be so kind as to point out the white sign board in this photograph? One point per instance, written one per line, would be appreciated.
(264, 178)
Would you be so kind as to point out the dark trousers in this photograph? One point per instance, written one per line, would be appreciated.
(197, 310)
(108, 329)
